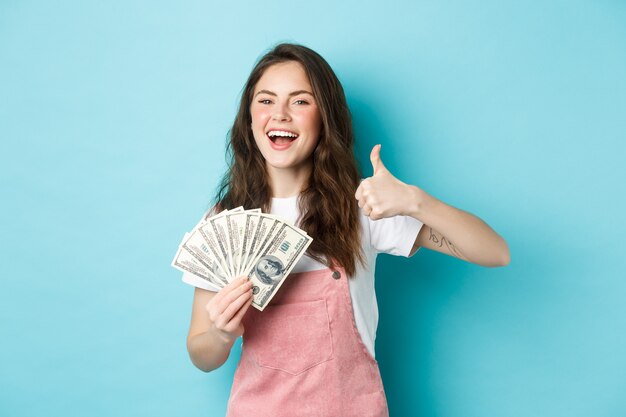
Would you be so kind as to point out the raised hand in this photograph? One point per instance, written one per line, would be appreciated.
(383, 195)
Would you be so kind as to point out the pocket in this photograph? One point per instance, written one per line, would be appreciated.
(292, 338)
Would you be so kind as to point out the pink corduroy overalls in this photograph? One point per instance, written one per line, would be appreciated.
(303, 356)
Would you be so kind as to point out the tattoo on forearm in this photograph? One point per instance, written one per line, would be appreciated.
(440, 241)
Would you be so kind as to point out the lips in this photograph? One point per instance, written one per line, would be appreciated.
(281, 144)
(281, 139)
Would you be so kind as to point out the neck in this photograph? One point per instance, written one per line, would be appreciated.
(288, 182)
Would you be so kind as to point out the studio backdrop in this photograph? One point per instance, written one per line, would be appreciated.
(113, 124)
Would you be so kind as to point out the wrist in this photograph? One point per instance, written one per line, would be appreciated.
(418, 201)
(226, 340)
(223, 339)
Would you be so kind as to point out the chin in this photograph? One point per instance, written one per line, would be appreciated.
(284, 164)
(280, 164)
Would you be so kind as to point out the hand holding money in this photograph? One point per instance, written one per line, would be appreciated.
(227, 308)
(238, 242)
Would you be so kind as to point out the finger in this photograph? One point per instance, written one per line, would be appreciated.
(363, 190)
(225, 291)
(237, 317)
(229, 316)
(232, 285)
(359, 192)
(375, 214)
(228, 294)
(235, 284)
(222, 320)
(377, 163)
(229, 298)
(366, 209)
(238, 281)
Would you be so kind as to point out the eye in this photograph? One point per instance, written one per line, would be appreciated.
(265, 101)
(301, 101)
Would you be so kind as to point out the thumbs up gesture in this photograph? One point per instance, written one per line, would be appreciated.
(383, 195)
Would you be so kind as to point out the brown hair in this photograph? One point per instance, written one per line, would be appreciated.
(328, 209)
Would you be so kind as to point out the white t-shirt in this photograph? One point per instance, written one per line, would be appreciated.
(393, 235)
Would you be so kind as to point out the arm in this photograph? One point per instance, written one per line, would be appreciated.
(456, 232)
(216, 323)
(446, 229)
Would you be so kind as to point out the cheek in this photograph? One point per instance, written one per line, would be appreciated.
(313, 116)
(259, 116)
(310, 120)
(316, 121)
(259, 120)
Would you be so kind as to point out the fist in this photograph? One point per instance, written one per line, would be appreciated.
(383, 195)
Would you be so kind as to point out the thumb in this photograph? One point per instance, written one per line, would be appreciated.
(377, 164)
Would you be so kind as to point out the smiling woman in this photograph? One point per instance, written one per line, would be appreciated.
(286, 122)
(293, 89)
(311, 351)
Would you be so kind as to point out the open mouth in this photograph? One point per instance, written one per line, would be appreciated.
(282, 137)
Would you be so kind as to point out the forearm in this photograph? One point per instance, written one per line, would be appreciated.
(208, 350)
(472, 237)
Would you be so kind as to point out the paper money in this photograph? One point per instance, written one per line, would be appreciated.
(239, 242)
(251, 223)
(275, 262)
(185, 261)
(197, 246)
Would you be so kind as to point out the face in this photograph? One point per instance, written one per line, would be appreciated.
(286, 121)
(267, 267)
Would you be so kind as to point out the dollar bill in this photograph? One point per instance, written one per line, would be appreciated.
(235, 223)
(263, 232)
(197, 245)
(187, 262)
(237, 242)
(219, 227)
(251, 223)
(275, 262)
(216, 242)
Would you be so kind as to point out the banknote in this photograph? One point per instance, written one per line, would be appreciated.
(275, 262)
(198, 246)
(233, 243)
(260, 237)
(235, 223)
(252, 220)
(186, 261)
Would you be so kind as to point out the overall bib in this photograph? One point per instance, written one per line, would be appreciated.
(303, 356)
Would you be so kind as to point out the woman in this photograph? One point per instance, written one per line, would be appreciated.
(311, 352)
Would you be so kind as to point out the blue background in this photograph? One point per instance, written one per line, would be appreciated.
(113, 118)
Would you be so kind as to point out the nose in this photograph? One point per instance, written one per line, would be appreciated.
(281, 114)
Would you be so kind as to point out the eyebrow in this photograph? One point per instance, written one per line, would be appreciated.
(293, 93)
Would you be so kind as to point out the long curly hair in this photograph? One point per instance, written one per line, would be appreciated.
(328, 208)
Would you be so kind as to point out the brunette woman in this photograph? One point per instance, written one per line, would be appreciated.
(311, 351)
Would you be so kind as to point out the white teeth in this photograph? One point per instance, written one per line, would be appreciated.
(281, 133)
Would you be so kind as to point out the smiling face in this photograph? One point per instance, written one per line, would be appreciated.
(286, 121)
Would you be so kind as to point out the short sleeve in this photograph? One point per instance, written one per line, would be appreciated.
(198, 282)
(394, 235)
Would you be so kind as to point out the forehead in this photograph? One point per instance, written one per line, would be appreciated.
(284, 78)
